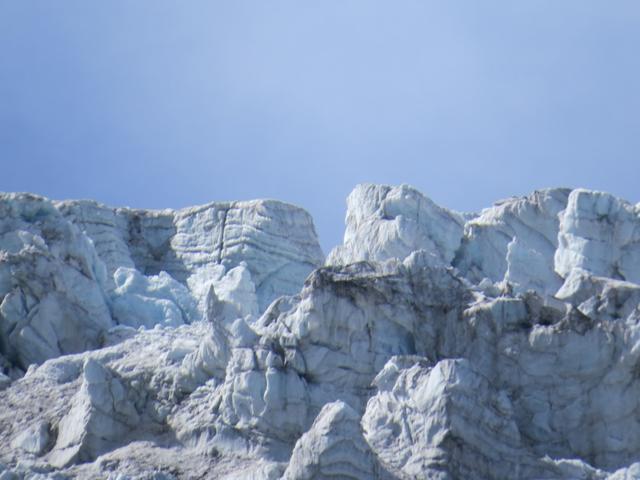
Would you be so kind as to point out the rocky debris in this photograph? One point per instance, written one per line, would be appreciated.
(432, 344)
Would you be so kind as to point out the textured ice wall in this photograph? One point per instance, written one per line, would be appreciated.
(498, 345)
(71, 270)
(531, 243)
(277, 241)
(52, 300)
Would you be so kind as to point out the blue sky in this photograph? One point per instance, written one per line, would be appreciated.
(155, 103)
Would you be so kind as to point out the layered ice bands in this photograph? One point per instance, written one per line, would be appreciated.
(71, 270)
(216, 342)
(276, 241)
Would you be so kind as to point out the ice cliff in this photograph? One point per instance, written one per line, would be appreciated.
(217, 342)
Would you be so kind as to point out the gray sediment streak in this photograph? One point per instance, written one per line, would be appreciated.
(225, 212)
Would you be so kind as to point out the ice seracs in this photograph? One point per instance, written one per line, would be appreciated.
(530, 243)
(333, 447)
(71, 270)
(52, 298)
(600, 234)
(215, 342)
(444, 422)
(101, 414)
(276, 241)
(386, 222)
(515, 241)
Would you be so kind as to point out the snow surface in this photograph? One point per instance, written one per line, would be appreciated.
(211, 342)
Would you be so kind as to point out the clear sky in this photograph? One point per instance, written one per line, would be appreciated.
(155, 103)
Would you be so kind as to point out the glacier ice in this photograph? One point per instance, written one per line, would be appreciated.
(333, 447)
(391, 222)
(139, 300)
(276, 241)
(51, 284)
(600, 234)
(218, 342)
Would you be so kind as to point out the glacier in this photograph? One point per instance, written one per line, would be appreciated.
(218, 341)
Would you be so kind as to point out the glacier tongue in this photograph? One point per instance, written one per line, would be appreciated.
(210, 342)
